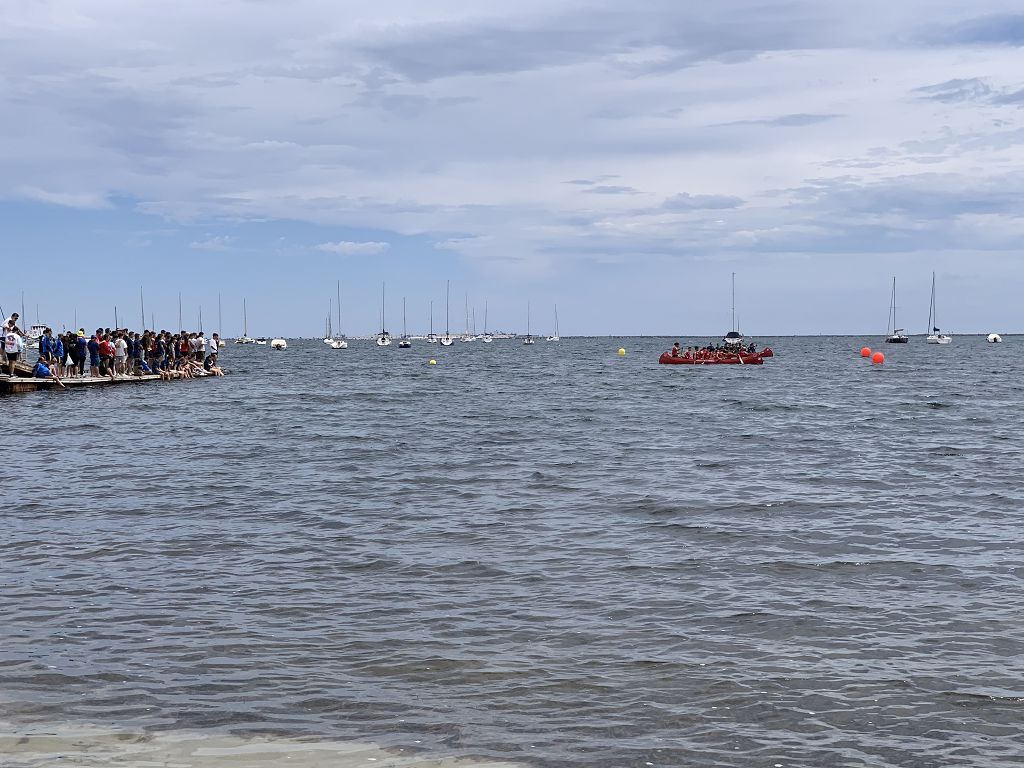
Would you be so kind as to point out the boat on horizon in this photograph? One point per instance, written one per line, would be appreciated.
(341, 342)
(446, 340)
(894, 335)
(383, 338)
(244, 338)
(555, 336)
(935, 335)
(404, 342)
(529, 336)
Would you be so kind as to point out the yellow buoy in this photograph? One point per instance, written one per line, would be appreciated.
(433, 362)
(622, 352)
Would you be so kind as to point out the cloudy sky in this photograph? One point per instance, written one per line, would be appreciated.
(618, 159)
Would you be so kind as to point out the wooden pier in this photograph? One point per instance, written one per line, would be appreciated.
(13, 385)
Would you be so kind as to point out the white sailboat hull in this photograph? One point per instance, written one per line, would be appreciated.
(447, 341)
(339, 344)
(940, 338)
(383, 341)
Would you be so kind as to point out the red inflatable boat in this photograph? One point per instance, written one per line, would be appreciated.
(718, 358)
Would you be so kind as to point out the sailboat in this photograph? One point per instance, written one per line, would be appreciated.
(328, 335)
(244, 338)
(467, 336)
(486, 338)
(529, 336)
(894, 335)
(404, 343)
(340, 342)
(935, 336)
(555, 337)
(384, 339)
(446, 340)
(733, 339)
(431, 338)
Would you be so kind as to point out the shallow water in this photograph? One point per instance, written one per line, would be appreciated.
(544, 556)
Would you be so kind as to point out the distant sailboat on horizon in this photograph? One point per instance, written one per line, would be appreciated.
(340, 342)
(555, 337)
(935, 335)
(244, 338)
(384, 339)
(529, 336)
(446, 340)
(894, 335)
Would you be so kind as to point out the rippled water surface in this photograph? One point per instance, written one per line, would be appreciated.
(546, 556)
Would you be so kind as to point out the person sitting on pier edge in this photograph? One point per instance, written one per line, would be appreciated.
(210, 363)
(42, 371)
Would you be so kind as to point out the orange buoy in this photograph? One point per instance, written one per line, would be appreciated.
(878, 358)
(865, 351)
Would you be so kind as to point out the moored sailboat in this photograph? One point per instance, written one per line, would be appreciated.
(935, 335)
(555, 337)
(384, 338)
(340, 342)
(529, 336)
(404, 342)
(894, 335)
(446, 340)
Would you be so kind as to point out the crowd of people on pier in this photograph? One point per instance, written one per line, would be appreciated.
(114, 353)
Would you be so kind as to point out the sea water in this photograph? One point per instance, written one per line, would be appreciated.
(531, 556)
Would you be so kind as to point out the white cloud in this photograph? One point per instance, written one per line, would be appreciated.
(84, 200)
(213, 243)
(346, 248)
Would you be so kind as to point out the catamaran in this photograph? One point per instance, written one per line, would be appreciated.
(556, 336)
(446, 340)
(935, 336)
(894, 335)
(384, 339)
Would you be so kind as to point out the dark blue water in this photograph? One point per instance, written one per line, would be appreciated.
(545, 556)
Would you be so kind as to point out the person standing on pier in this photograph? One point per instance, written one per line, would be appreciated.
(13, 345)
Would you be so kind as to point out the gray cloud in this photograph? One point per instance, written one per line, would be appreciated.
(787, 121)
(996, 29)
(611, 189)
(684, 201)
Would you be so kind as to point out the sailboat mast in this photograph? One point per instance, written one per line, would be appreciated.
(485, 317)
(245, 320)
(220, 325)
(431, 317)
(142, 303)
(528, 334)
(447, 299)
(734, 301)
(382, 309)
(180, 326)
(339, 308)
(404, 334)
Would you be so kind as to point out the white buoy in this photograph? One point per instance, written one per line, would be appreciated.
(994, 338)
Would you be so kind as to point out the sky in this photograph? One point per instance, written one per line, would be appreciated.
(618, 160)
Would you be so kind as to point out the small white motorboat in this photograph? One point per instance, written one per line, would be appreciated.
(339, 344)
(994, 338)
(278, 344)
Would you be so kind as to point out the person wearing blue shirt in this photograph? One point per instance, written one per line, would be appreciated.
(94, 356)
(59, 355)
(41, 371)
(83, 351)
